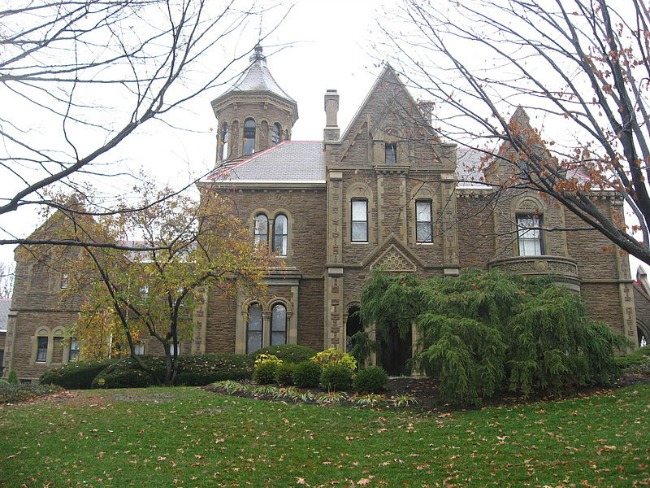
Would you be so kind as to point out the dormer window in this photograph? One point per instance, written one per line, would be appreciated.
(249, 137)
(391, 153)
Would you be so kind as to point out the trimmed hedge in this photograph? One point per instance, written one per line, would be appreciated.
(204, 369)
(75, 375)
(289, 353)
(199, 370)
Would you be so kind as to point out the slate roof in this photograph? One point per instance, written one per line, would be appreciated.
(5, 305)
(258, 78)
(287, 162)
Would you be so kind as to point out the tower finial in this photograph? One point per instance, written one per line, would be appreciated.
(258, 55)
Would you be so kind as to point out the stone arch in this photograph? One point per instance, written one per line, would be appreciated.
(643, 331)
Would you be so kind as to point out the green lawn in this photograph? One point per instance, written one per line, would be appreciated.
(187, 437)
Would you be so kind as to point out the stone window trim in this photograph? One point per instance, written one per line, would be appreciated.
(275, 232)
(44, 342)
(246, 342)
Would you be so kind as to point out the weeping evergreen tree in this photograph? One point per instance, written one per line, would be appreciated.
(484, 333)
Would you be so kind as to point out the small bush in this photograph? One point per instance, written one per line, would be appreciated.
(284, 374)
(204, 369)
(290, 353)
(128, 373)
(264, 373)
(75, 375)
(15, 393)
(337, 377)
(13, 377)
(372, 379)
(332, 357)
(634, 362)
(307, 374)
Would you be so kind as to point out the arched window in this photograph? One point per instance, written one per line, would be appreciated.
(261, 230)
(254, 328)
(276, 133)
(224, 141)
(278, 324)
(249, 137)
(280, 235)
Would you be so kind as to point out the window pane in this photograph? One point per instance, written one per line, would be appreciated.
(359, 220)
(254, 328)
(41, 351)
(423, 223)
(529, 235)
(74, 350)
(261, 230)
(391, 153)
(224, 139)
(249, 137)
(279, 325)
(276, 132)
(280, 233)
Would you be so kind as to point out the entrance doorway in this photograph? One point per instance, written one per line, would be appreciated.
(395, 351)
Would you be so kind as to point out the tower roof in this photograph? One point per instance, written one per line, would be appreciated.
(258, 77)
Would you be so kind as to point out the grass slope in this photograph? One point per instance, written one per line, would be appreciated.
(184, 437)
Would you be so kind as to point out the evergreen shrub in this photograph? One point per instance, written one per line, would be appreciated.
(371, 379)
(337, 377)
(203, 369)
(75, 375)
(265, 369)
(307, 374)
(284, 374)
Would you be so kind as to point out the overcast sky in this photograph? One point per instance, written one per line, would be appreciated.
(322, 44)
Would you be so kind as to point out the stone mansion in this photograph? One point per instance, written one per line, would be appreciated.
(384, 192)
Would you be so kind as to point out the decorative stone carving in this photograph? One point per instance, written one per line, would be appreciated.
(393, 260)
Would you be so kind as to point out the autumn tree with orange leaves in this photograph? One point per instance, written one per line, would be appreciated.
(579, 67)
(186, 249)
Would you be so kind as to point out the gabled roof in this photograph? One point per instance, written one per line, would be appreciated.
(386, 77)
(5, 305)
(287, 162)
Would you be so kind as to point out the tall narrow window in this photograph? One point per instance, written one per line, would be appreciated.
(254, 328)
(359, 220)
(391, 153)
(261, 230)
(278, 324)
(224, 141)
(65, 281)
(423, 222)
(276, 133)
(73, 355)
(529, 235)
(280, 235)
(138, 349)
(41, 349)
(249, 137)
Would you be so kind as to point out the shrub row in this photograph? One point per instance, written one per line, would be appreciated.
(334, 372)
(195, 370)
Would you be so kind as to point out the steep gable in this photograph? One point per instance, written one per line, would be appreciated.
(389, 119)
